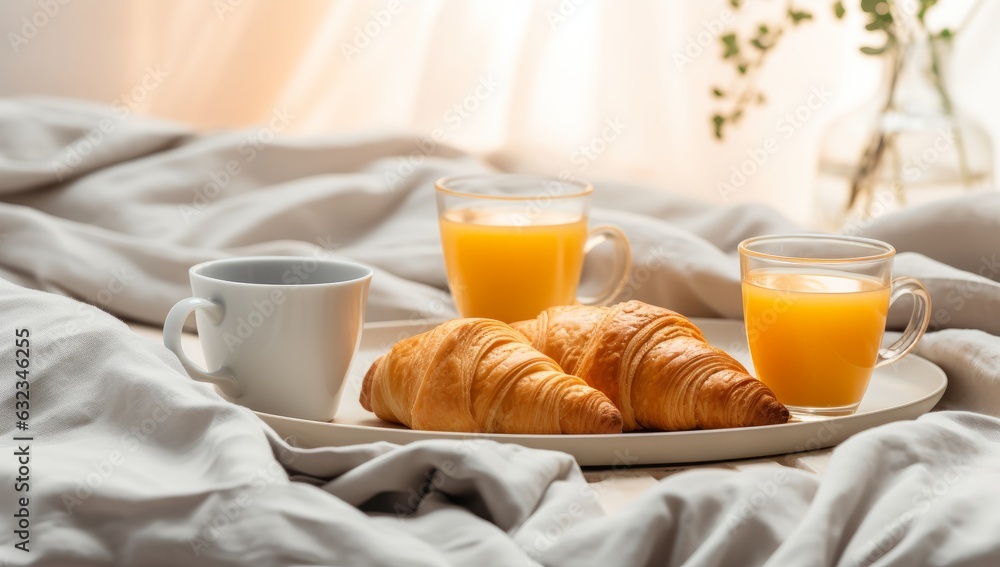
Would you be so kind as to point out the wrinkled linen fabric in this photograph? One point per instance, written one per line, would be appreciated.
(133, 463)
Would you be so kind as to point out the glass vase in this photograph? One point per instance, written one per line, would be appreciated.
(908, 145)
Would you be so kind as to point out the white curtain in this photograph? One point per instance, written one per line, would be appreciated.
(597, 88)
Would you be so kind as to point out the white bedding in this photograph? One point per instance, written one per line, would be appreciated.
(132, 463)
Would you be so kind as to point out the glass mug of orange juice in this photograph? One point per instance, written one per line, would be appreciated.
(514, 245)
(815, 308)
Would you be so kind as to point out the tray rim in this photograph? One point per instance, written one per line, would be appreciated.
(336, 431)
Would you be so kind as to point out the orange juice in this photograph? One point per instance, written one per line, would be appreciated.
(505, 266)
(814, 335)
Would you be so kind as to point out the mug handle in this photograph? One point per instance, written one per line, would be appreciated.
(173, 327)
(623, 262)
(919, 320)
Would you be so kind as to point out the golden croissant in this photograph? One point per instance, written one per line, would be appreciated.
(655, 365)
(479, 375)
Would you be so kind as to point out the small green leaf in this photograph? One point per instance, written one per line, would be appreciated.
(838, 9)
(869, 5)
(718, 92)
(890, 42)
(762, 29)
(735, 3)
(718, 121)
(945, 34)
(756, 43)
(798, 15)
(729, 42)
(742, 68)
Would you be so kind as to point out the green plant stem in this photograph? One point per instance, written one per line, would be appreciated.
(968, 16)
(897, 168)
(743, 99)
(949, 109)
(872, 156)
(744, 82)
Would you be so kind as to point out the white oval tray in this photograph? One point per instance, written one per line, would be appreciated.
(904, 390)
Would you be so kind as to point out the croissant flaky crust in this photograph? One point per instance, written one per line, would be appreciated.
(654, 365)
(479, 375)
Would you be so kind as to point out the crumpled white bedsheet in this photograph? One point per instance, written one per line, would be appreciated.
(133, 463)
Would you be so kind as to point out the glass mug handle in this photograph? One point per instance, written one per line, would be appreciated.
(919, 319)
(622, 266)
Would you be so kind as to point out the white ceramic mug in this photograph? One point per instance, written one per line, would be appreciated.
(280, 331)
